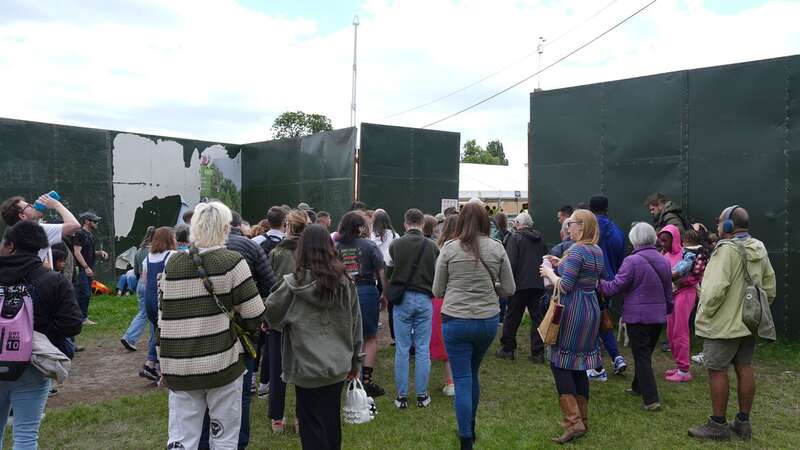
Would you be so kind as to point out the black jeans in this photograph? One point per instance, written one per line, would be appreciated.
(522, 299)
(263, 346)
(319, 412)
(277, 388)
(571, 382)
(644, 339)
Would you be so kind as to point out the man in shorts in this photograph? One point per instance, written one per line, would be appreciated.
(727, 341)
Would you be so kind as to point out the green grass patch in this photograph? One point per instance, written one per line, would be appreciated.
(518, 410)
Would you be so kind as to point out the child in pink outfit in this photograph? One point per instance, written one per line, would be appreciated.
(682, 260)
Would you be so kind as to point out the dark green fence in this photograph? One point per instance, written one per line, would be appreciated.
(316, 169)
(402, 168)
(79, 164)
(708, 138)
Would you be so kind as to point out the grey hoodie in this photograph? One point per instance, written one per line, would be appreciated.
(321, 339)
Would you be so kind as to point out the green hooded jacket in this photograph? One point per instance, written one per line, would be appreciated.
(322, 339)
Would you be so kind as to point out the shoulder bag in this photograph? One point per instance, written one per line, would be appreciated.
(242, 334)
(551, 323)
(397, 288)
(495, 283)
(756, 313)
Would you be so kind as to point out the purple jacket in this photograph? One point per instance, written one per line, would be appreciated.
(645, 279)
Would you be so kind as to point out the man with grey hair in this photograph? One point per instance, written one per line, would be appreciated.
(525, 250)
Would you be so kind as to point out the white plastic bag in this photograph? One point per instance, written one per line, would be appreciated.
(358, 406)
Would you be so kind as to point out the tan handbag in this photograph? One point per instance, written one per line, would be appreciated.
(551, 323)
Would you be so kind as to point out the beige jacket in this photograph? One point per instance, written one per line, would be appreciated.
(466, 285)
(719, 313)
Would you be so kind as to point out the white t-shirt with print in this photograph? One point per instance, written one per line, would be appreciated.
(54, 233)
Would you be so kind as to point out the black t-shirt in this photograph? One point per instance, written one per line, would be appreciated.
(85, 240)
(361, 258)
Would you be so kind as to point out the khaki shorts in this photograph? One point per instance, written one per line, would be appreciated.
(718, 354)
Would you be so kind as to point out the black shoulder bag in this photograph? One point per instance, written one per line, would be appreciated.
(397, 288)
(242, 334)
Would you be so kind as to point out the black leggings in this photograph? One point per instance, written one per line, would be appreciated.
(571, 382)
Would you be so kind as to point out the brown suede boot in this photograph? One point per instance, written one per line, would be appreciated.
(583, 407)
(573, 425)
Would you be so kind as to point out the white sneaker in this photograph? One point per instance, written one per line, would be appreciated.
(263, 390)
(619, 365)
(449, 390)
(594, 375)
(698, 359)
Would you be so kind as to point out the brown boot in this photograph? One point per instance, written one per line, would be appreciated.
(573, 425)
(583, 407)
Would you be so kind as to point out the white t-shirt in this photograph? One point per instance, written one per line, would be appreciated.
(54, 232)
(383, 245)
(154, 258)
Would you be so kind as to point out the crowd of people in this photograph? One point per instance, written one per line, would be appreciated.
(235, 310)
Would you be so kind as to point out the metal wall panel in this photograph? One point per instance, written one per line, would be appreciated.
(316, 169)
(402, 168)
(565, 155)
(707, 138)
(75, 162)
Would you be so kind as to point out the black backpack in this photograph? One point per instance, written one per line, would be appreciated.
(270, 242)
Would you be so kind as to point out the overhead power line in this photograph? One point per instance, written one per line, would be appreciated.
(506, 67)
(554, 63)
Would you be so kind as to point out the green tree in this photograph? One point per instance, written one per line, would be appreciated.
(495, 148)
(293, 124)
(475, 154)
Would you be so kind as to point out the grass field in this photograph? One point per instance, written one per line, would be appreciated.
(519, 408)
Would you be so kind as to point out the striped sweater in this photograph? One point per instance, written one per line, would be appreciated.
(197, 347)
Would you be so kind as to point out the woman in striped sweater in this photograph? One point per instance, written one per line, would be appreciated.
(576, 349)
(202, 360)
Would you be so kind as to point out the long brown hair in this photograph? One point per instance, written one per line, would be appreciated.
(473, 222)
(501, 219)
(448, 229)
(315, 252)
(163, 240)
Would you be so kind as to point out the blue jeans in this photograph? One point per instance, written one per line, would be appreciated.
(127, 282)
(467, 341)
(610, 343)
(412, 321)
(83, 292)
(151, 310)
(139, 321)
(27, 396)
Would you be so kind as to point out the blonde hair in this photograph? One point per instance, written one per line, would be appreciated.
(296, 222)
(590, 233)
(211, 223)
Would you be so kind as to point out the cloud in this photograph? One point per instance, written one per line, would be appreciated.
(220, 71)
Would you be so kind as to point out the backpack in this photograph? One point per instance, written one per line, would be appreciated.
(270, 242)
(16, 329)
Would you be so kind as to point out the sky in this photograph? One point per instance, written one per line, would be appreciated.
(223, 70)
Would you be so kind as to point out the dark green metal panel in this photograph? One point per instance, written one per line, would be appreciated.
(708, 138)
(564, 164)
(315, 169)
(402, 168)
(642, 134)
(75, 162)
(737, 117)
(792, 216)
